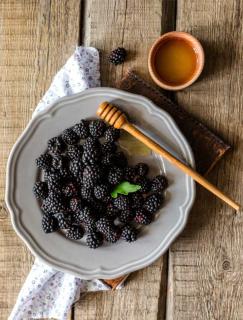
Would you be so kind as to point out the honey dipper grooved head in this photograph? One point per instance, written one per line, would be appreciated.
(111, 114)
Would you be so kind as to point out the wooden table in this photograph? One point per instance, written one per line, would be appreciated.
(201, 275)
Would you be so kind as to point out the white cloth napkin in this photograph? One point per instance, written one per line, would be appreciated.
(48, 293)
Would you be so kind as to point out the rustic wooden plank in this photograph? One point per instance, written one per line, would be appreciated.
(205, 263)
(134, 25)
(36, 37)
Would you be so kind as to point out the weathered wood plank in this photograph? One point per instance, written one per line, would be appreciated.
(205, 263)
(133, 25)
(36, 37)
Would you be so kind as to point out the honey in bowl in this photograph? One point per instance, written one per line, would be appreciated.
(175, 61)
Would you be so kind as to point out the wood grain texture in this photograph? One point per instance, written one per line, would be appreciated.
(205, 263)
(36, 37)
(134, 25)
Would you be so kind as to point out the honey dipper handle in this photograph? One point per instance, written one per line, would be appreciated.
(165, 154)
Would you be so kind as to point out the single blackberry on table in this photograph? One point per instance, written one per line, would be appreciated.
(108, 147)
(59, 161)
(144, 183)
(75, 233)
(111, 134)
(143, 217)
(91, 144)
(44, 161)
(159, 183)
(40, 190)
(126, 216)
(94, 239)
(101, 191)
(122, 203)
(70, 189)
(90, 157)
(91, 176)
(69, 136)
(97, 128)
(117, 56)
(129, 174)
(137, 200)
(86, 193)
(76, 168)
(115, 175)
(152, 203)
(111, 211)
(119, 159)
(129, 233)
(49, 223)
(54, 203)
(141, 169)
(82, 129)
(64, 220)
(75, 204)
(74, 152)
(56, 145)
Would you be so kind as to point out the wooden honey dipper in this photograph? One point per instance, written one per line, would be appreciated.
(117, 118)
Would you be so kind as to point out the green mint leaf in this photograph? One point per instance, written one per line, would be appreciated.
(125, 188)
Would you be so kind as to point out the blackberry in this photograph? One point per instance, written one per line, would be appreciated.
(52, 174)
(94, 240)
(122, 203)
(40, 190)
(75, 204)
(97, 128)
(129, 174)
(117, 56)
(115, 175)
(107, 228)
(111, 211)
(69, 136)
(53, 203)
(74, 152)
(159, 183)
(91, 144)
(86, 193)
(64, 221)
(44, 161)
(108, 147)
(119, 159)
(82, 129)
(129, 233)
(101, 191)
(49, 223)
(142, 169)
(143, 217)
(75, 233)
(111, 134)
(90, 157)
(97, 206)
(107, 199)
(76, 168)
(125, 216)
(137, 200)
(91, 176)
(152, 203)
(56, 145)
(107, 159)
(64, 172)
(113, 235)
(84, 214)
(144, 183)
(70, 190)
(90, 224)
(58, 162)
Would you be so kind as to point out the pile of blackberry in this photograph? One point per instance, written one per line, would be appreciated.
(80, 169)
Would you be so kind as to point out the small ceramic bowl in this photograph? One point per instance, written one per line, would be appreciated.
(193, 42)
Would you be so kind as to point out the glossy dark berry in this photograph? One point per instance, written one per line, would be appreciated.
(122, 202)
(111, 134)
(75, 204)
(152, 203)
(113, 235)
(91, 144)
(143, 217)
(103, 225)
(129, 233)
(129, 174)
(49, 223)
(91, 176)
(64, 221)
(40, 190)
(111, 211)
(70, 189)
(59, 161)
(86, 193)
(101, 191)
(82, 129)
(90, 157)
(56, 145)
(142, 169)
(76, 168)
(94, 240)
(108, 147)
(54, 203)
(137, 200)
(44, 161)
(75, 233)
(69, 136)
(107, 159)
(144, 183)
(159, 183)
(115, 175)
(84, 214)
(117, 56)
(126, 216)
(74, 152)
(97, 128)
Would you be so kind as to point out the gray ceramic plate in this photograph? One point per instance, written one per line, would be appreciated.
(111, 260)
